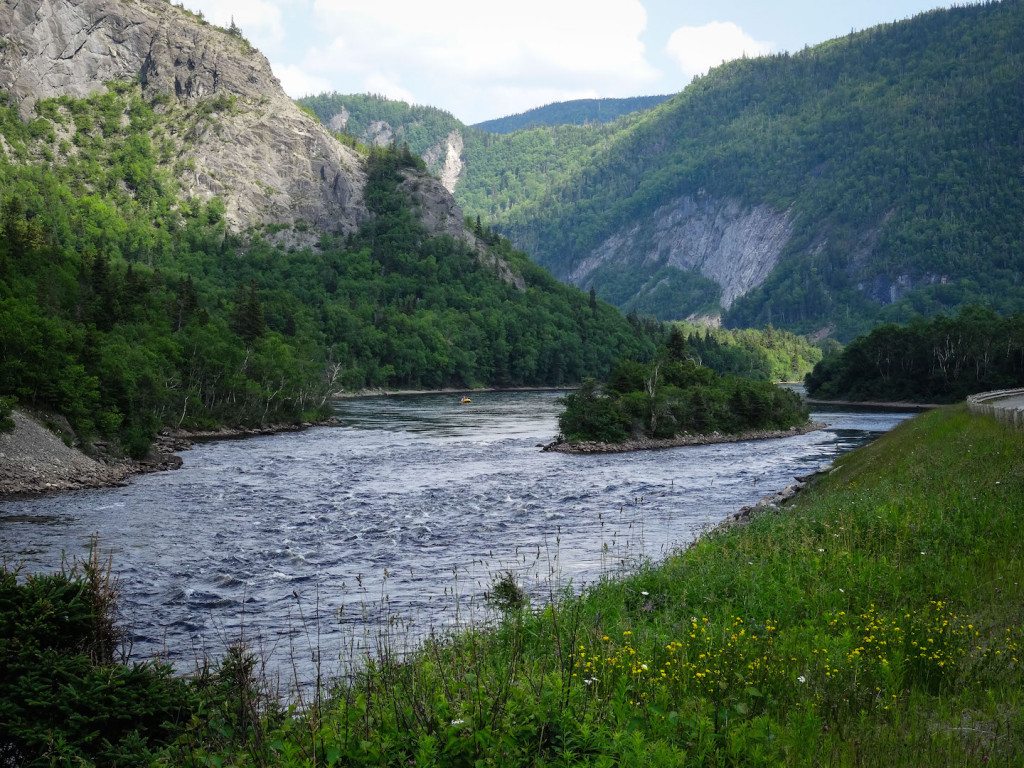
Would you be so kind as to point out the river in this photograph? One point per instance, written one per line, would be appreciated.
(309, 544)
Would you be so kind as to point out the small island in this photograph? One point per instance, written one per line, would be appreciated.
(675, 401)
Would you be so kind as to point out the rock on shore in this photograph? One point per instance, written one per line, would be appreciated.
(35, 460)
(650, 443)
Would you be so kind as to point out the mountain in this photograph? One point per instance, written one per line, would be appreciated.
(576, 112)
(236, 135)
(182, 245)
(874, 177)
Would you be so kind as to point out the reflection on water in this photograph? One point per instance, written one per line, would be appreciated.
(306, 540)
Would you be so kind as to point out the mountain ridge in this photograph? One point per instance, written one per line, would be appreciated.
(866, 179)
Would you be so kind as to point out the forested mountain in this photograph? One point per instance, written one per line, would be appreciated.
(162, 264)
(868, 178)
(872, 178)
(576, 112)
(489, 173)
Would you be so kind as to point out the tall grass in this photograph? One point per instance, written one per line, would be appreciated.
(875, 621)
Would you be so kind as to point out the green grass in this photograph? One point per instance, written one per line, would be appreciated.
(876, 621)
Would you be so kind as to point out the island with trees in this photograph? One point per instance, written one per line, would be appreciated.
(674, 401)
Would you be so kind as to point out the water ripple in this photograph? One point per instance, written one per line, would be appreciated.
(411, 503)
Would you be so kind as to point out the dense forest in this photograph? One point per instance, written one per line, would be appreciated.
(500, 172)
(894, 151)
(940, 360)
(124, 307)
(575, 112)
(674, 395)
(767, 354)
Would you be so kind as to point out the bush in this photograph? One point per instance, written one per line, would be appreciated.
(67, 693)
(6, 406)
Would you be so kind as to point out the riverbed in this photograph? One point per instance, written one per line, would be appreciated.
(309, 545)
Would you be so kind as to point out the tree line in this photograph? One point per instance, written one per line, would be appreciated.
(943, 359)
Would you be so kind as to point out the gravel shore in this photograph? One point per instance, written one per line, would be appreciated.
(34, 460)
(650, 444)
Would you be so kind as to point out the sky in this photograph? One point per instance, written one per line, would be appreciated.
(481, 59)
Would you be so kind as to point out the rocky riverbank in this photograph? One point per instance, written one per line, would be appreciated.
(649, 443)
(35, 460)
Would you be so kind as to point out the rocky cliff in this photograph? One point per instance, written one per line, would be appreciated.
(737, 246)
(270, 162)
(445, 159)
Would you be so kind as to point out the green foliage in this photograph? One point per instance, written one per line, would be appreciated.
(876, 622)
(769, 354)
(666, 293)
(939, 360)
(576, 112)
(894, 150)
(125, 308)
(500, 171)
(64, 698)
(673, 396)
(6, 406)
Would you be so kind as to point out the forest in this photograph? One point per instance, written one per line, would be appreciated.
(125, 308)
(575, 112)
(893, 149)
(674, 395)
(939, 360)
(767, 354)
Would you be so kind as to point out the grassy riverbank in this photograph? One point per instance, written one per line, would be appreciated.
(877, 621)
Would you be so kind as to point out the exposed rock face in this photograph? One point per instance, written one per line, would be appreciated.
(339, 122)
(442, 216)
(270, 162)
(734, 245)
(379, 134)
(445, 160)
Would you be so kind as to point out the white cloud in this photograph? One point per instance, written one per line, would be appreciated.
(298, 83)
(385, 86)
(472, 51)
(261, 21)
(698, 49)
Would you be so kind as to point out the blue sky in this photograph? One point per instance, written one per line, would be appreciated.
(481, 59)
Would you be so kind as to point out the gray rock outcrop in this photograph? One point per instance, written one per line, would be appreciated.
(735, 245)
(266, 159)
(445, 159)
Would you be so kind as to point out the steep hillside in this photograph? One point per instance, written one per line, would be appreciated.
(488, 173)
(871, 177)
(183, 246)
(576, 112)
(235, 134)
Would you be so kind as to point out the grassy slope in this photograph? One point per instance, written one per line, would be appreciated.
(794, 640)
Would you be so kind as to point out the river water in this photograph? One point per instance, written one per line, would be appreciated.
(311, 544)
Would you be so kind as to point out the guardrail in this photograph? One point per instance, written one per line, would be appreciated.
(987, 404)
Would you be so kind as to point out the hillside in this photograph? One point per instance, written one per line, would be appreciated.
(867, 178)
(488, 173)
(576, 112)
(184, 246)
(871, 178)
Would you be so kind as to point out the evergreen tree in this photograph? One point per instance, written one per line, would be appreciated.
(247, 320)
